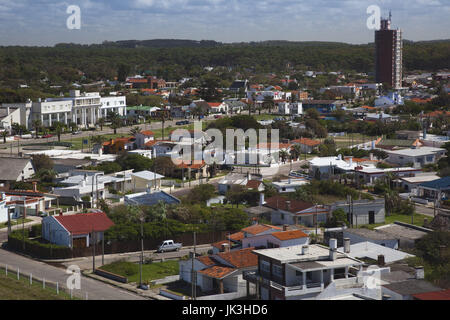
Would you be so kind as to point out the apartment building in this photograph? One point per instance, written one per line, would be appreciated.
(300, 272)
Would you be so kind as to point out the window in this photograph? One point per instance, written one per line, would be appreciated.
(265, 266)
(277, 270)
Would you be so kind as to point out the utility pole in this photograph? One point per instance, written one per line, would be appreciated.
(142, 252)
(193, 274)
(93, 251)
(23, 223)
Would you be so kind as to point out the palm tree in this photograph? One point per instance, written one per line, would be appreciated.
(98, 139)
(37, 124)
(59, 129)
(135, 131)
(269, 103)
(101, 123)
(296, 151)
(4, 135)
(163, 116)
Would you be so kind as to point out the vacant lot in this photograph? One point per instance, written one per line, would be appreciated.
(151, 271)
(13, 289)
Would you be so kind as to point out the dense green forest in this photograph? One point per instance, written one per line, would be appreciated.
(175, 59)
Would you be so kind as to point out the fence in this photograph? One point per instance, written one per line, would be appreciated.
(41, 251)
(54, 287)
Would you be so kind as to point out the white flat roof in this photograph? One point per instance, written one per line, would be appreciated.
(372, 250)
(378, 170)
(294, 253)
(422, 151)
(421, 178)
(147, 175)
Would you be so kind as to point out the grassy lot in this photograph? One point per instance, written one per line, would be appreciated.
(259, 117)
(418, 220)
(14, 222)
(13, 289)
(346, 141)
(151, 271)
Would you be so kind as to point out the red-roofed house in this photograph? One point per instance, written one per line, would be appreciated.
(307, 145)
(218, 107)
(76, 230)
(222, 272)
(143, 137)
(276, 239)
(435, 295)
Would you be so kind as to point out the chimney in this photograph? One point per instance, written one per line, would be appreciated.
(333, 248)
(305, 250)
(261, 199)
(381, 261)
(420, 273)
(35, 186)
(3, 196)
(285, 226)
(371, 156)
(346, 245)
(288, 205)
(351, 161)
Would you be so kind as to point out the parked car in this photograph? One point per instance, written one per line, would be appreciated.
(217, 116)
(76, 132)
(47, 136)
(169, 245)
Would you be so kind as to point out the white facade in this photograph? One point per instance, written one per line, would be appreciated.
(293, 108)
(84, 109)
(417, 157)
(113, 104)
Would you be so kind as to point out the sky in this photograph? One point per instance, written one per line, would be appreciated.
(44, 22)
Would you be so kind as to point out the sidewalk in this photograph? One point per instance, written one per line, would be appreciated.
(126, 286)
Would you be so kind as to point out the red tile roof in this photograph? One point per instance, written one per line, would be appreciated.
(206, 260)
(84, 223)
(289, 235)
(272, 146)
(259, 228)
(279, 202)
(214, 104)
(196, 164)
(307, 142)
(148, 133)
(253, 184)
(219, 244)
(217, 272)
(240, 258)
(238, 236)
(436, 295)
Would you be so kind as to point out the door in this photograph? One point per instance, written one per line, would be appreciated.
(371, 217)
(79, 242)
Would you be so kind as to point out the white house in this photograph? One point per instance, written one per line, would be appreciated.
(416, 157)
(3, 209)
(278, 239)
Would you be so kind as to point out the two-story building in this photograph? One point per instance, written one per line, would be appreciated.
(300, 272)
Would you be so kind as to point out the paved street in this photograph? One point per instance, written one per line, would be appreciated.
(96, 290)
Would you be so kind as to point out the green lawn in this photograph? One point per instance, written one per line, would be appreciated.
(151, 271)
(14, 222)
(418, 220)
(13, 289)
